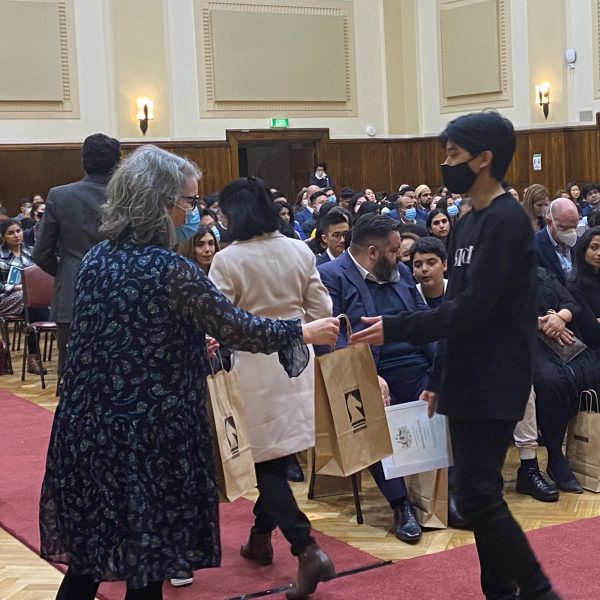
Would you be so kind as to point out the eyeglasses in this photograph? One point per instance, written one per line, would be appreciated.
(192, 199)
(338, 235)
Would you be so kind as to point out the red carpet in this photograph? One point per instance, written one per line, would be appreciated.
(568, 552)
(24, 433)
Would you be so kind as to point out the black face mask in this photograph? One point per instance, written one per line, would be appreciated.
(458, 178)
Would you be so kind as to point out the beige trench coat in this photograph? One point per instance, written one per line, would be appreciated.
(274, 276)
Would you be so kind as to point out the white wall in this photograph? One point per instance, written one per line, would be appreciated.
(97, 111)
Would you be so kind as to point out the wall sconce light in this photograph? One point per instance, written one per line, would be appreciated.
(542, 97)
(145, 113)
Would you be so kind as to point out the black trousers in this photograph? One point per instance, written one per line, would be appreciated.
(63, 330)
(277, 507)
(506, 559)
(83, 587)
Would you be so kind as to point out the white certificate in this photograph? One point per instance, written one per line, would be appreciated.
(420, 444)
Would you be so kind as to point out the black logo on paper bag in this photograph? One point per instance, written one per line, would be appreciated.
(232, 436)
(356, 409)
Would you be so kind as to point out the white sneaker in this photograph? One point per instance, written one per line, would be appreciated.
(182, 582)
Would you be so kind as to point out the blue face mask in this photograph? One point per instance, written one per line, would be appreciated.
(331, 198)
(190, 227)
(216, 231)
(410, 213)
(452, 210)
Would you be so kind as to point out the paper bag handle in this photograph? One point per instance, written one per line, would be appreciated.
(591, 398)
(348, 326)
(220, 361)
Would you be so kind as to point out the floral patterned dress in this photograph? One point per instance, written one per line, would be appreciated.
(130, 491)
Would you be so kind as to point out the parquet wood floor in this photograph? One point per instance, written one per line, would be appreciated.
(24, 576)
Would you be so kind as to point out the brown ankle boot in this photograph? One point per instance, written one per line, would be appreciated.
(34, 364)
(315, 566)
(258, 548)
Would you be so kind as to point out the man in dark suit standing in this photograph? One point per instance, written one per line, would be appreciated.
(70, 228)
(365, 281)
(554, 243)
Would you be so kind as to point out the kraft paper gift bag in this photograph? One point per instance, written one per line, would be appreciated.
(350, 423)
(233, 454)
(583, 442)
(428, 493)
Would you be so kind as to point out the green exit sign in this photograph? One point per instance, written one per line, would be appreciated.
(280, 123)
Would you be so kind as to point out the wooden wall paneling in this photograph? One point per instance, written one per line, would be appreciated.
(375, 166)
(416, 162)
(582, 148)
(550, 144)
(567, 154)
(345, 164)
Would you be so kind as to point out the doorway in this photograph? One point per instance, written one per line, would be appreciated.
(282, 159)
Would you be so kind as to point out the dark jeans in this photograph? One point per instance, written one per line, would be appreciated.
(277, 507)
(35, 314)
(505, 557)
(83, 587)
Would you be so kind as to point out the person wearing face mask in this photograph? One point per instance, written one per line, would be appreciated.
(320, 177)
(481, 379)
(555, 243)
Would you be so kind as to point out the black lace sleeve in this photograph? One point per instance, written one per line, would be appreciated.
(195, 296)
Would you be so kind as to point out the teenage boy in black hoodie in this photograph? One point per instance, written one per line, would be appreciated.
(482, 376)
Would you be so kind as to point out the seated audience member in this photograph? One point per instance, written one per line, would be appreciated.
(224, 237)
(369, 194)
(554, 244)
(24, 209)
(593, 219)
(3, 214)
(320, 177)
(366, 281)
(307, 210)
(291, 227)
(574, 193)
(366, 208)
(585, 287)
(448, 204)
(208, 217)
(315, 202)
(408, 238)
(315, 243)
(591, 198)
(430, 262)
(14, 253)
(424, 197)
(37, 210)
(356, 201)
(345, 197)
(406, 209)
(535, 204)
(333, 226)
(557, 385)
(201, 248)
(439, 225)
(465, 206)
(562, 193)
(330, 193)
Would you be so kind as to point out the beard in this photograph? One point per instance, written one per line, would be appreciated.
(383, 270)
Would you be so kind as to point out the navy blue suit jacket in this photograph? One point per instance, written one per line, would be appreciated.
(547, 256)
(351, 296)
(303, 215)
(322, 258)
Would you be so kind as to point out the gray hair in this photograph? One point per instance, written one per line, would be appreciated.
(142, 189)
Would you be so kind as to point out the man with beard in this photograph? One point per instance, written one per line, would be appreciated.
(365, 281)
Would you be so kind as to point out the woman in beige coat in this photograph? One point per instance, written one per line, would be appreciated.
(273, 276)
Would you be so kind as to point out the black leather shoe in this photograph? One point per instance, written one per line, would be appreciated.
(294, 470)
(572, 485)
(531, 482)
(455, 519)
(406, 526)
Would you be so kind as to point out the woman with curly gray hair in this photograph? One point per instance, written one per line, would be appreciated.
(130, 492)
